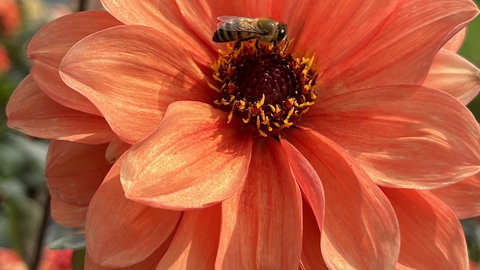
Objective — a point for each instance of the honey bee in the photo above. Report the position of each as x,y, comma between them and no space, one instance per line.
265,30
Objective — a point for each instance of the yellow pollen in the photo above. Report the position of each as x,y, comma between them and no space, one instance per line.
235,78
289,115
263,134
213,87
303,112
262,101
242,105
230,116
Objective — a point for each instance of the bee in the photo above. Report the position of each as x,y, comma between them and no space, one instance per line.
237,29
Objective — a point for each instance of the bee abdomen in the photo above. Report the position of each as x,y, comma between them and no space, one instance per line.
222,35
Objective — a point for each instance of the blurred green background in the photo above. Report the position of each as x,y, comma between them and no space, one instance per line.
24,225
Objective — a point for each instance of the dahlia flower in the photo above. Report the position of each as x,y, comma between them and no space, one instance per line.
344,150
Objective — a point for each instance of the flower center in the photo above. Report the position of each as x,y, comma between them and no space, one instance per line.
264,85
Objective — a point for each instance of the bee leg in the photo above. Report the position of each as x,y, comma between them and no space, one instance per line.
287,42
274,43
257,46
237,45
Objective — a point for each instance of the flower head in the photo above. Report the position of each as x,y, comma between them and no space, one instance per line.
327,154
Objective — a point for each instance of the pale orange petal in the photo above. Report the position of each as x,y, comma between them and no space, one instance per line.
307,179
360,230
455,75
32,112
68,215
147,264
48,80
403,136
402,51
456,41
311,254
165,17
120,232
431,235
194,159
462,197
262,224
53,41
115,149
49,46
137,69
335,30
195,243
75,171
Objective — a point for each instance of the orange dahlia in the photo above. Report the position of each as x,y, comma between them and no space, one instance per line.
343,150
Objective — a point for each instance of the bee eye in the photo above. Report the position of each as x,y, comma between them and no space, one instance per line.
281,34
282,31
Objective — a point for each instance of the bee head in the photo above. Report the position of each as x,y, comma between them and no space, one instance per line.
281,31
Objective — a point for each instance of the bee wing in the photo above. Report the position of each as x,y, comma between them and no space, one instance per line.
224,19
244,24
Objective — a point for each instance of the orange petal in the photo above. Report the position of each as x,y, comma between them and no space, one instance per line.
66,214
462,197
432,237
75,171
456,41
32,112
51,43
165,17
360,230
262,224
331,29
296,16
138,70
194,159
402,52
455,75
196,241
311,254
307,179
201,16
120,232
403,136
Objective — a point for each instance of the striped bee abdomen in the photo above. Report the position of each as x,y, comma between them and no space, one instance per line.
222,35
229,32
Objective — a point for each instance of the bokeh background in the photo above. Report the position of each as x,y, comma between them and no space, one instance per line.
26,228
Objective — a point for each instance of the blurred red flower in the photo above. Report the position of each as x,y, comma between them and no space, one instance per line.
5,62
9,17
59,259
10,260
51,260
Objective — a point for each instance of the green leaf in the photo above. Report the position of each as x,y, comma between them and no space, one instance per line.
78,259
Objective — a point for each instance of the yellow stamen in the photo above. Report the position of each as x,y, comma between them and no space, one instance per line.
213,87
